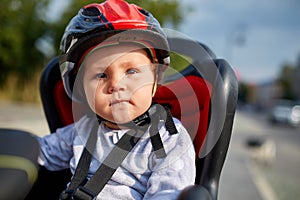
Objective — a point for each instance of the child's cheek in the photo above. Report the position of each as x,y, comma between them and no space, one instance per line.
90,90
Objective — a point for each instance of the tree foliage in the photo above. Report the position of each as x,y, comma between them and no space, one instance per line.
21,29
286,80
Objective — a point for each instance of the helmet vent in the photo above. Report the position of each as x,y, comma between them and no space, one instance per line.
144,12
92,11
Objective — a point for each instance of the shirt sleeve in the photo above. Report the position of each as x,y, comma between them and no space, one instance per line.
56,149
172,174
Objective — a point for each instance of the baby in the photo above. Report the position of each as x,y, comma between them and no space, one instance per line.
114,55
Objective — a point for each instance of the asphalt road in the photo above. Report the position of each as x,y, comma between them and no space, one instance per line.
245,176
27,117
281,172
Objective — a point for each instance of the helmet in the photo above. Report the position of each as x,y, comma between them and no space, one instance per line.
113,21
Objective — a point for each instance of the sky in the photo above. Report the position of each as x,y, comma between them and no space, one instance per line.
268,31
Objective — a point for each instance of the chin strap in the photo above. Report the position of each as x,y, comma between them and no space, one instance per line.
82,188
155,114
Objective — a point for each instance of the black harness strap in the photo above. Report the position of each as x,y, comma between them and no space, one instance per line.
83,189
83,165
158,112
93,187
169,122
157,144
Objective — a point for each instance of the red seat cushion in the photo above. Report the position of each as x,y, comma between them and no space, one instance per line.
189,99
63,104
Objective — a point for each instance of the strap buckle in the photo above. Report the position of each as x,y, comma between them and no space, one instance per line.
66,195
82,193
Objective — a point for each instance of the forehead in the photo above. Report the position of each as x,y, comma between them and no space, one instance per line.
106,54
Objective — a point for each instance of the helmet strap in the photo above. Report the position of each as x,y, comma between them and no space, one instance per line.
154,87
140,121
155,81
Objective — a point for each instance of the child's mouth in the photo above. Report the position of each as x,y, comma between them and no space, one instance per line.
118,102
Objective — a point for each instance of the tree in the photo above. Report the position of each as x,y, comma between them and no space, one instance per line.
246,94
21,29
285,80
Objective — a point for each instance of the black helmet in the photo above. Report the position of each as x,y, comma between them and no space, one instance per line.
113,21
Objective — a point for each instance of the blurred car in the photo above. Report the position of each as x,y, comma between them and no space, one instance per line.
286,112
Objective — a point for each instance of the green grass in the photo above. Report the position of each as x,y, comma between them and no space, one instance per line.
25,91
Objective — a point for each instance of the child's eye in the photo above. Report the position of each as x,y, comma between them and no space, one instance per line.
131,71
101,75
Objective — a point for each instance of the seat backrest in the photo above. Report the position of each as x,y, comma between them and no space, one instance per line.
202,95
223,101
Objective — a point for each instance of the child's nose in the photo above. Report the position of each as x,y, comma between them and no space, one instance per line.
116,83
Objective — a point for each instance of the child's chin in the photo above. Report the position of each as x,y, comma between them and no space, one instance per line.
119,119
122,121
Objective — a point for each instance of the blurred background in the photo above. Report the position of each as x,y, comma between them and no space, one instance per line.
261,41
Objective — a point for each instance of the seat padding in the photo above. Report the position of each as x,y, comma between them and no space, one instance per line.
189,99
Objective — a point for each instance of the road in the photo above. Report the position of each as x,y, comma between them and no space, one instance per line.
27,117
282,173
275,175
243,178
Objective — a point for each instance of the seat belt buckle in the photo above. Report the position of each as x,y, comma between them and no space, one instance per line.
82,193
66,195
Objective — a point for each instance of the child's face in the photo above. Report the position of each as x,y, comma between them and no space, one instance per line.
118,82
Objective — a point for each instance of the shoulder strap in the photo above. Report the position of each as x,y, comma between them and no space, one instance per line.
97,182
80,188
159,112
170,125
83,165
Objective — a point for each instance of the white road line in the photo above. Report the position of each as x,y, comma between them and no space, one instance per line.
264,188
